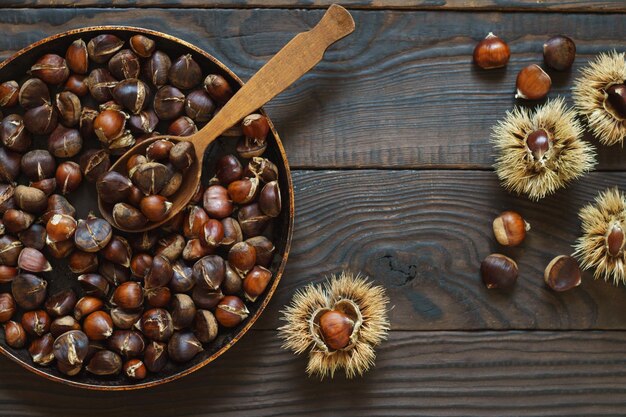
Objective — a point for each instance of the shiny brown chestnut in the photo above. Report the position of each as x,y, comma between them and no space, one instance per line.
199,106
13,134
29,291
57,204
242,257
17,220
7,307
69,108
9,93
182,278
105,362
124,65
270,200
94,284
113,187
109,125
10,249
231,311
118,251
559,52
169,102
68,176
171,246
77,84
92,234
157,67
532,83
151,177
40,350
159,150
244,191
195,219
127,343
100,83
209,272
60,227
140,265
205,326
185,73
499,271
218,88
81,262
206,298
510,228
212,233
195,249
36,322
125,319
158,297
94,163
14,335
51,69
7,273
38,164
264,250
87,305
183,346
159,274
142,45
135,369
128,295
256,282
64,324
32,260
491,52
132,94
64,142
155,356
182,155
41,120
103,47
98,325
33,93
232,232
252,220
61,303
77,57
145,121
228,169
157,325
249,148
217,203
183,311
233,282
115,273
255,126
182,126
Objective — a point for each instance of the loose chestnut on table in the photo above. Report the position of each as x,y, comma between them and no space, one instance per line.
96,287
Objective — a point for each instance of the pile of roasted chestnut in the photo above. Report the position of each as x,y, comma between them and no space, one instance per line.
141,299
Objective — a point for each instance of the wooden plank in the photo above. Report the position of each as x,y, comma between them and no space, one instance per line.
613,6
400,92
423,234
416,374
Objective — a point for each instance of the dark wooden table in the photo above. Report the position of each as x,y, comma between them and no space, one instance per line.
388,141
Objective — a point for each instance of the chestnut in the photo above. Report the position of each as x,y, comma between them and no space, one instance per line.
60,227
264,250
51,69
135,369
61,303
127,343
17,220
173,185
64,142
231,311
218,88
10,249
48,186
242,257
36,322
94,163
100,83
169,102
199,106
269,199
6,197
212,233
32,260
29,291
128,217
209,272
232,283
140,265
103,47
13,133
206,298
510,228
491,52
255,126
57,204
171,247
87,305
68,176
113,187
10,167
559,52
64,324
155,207
249,148
105,362
41,120
183,311
61,249
109,125
85,123
532,83
115,273
69,108
157,67
182,278
216,202
98,325
118,251
195,249
142,46
183,126
7,273
30,199
134,161
155,356
262,168
77,84
205,326
159,274
125,319
151,177
195,219
252,220
9,92
94,284
124,65
158,297
83,262
336,328
41,350
228,169
243,191
562,273
132,94
144,241
183,346
92,234
38,164
499,271
159,150
33,93
182,155
14,335
7,307
615,239
77,57
128,295
157,325
615,101
143,122
256,282
185,73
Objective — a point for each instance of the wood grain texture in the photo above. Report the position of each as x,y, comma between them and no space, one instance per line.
400,92
416,374
499,5
423,234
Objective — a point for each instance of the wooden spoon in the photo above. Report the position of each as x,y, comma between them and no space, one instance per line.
290,63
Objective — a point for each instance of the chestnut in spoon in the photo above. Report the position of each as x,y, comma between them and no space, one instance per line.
295,59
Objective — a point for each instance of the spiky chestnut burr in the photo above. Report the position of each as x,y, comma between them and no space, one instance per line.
601,245
599,96
540,151
339,322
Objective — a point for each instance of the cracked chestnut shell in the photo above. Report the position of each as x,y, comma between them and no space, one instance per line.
92,234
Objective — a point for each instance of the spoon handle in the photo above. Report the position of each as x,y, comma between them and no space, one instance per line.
290,63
